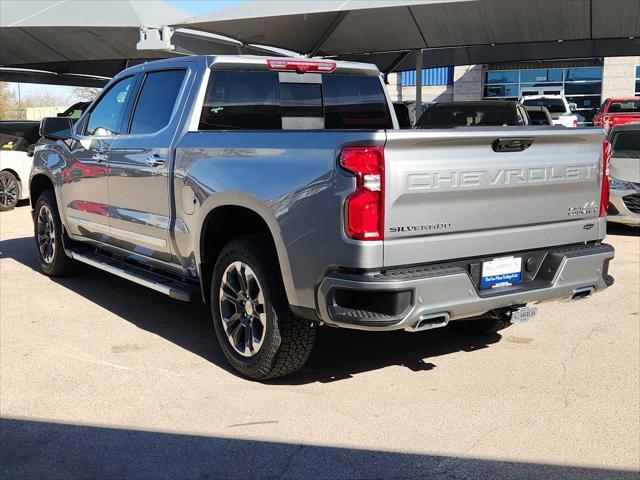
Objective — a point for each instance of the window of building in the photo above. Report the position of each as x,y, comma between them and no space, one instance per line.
503,76
430,77
581,85
259,101
157,99
638,80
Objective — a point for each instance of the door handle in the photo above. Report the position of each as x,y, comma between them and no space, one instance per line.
511,144
155,160
100,156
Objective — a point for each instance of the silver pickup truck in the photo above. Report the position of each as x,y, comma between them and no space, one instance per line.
282,192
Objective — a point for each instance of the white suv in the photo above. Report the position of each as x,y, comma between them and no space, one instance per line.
558,107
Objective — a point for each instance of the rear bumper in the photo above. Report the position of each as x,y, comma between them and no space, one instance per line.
401,299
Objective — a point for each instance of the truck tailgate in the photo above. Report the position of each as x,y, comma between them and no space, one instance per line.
450,194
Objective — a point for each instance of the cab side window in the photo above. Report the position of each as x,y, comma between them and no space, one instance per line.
104,119
157,100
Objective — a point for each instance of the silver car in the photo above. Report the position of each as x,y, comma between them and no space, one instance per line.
624,174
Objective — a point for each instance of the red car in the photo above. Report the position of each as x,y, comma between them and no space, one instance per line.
617,111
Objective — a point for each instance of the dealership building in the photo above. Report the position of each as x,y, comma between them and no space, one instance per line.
585,82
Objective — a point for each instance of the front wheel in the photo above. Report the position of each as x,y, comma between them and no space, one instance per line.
9,191
258,333
47,226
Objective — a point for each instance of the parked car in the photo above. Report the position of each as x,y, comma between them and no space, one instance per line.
403,115
17,139
538,115
617,111
406,112
75,111
485,113
557,105
623,148
283,193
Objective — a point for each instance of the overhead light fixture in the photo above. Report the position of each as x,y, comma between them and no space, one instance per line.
152,38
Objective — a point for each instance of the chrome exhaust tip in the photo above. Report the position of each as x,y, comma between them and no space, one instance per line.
582,293
429,322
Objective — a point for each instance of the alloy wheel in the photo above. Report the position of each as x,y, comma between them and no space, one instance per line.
242,309
8,191
46,234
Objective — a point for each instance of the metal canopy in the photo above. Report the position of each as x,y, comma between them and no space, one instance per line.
57,31
356,26
516,52
23,75
65,37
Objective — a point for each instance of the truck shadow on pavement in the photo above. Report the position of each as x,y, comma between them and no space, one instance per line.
47,450
621,229
338,354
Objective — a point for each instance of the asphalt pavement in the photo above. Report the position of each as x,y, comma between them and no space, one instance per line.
104,379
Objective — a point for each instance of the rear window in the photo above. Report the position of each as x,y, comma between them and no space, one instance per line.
537,117
241,101
628,106
626,144
354,102
445,116
260,101
554,105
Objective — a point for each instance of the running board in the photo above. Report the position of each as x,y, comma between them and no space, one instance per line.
160,283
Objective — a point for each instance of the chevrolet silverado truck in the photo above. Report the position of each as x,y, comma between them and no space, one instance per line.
617,111
283,193
560,110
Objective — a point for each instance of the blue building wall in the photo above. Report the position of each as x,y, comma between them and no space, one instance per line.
430,76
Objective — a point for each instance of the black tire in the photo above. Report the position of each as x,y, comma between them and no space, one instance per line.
287,340
9,191
480,326
59,264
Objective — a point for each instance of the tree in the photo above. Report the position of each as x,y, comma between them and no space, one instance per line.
85,94
45,98
9,107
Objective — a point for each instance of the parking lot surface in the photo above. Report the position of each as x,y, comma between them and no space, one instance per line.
101,378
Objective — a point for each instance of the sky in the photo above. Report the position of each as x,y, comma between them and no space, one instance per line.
197,7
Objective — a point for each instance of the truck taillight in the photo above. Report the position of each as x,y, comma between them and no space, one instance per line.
575,123
364,208
604,194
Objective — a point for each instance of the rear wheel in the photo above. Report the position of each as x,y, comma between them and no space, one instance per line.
257,331
9,191
48,236
480,326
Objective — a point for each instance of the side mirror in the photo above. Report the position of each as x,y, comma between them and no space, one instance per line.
573,106
31,149
57,128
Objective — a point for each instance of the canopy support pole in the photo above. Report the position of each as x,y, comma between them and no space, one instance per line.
418,53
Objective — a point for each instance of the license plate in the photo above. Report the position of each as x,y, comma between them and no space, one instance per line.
524,314
501,272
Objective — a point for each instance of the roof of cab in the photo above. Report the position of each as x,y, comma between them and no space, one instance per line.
252,62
